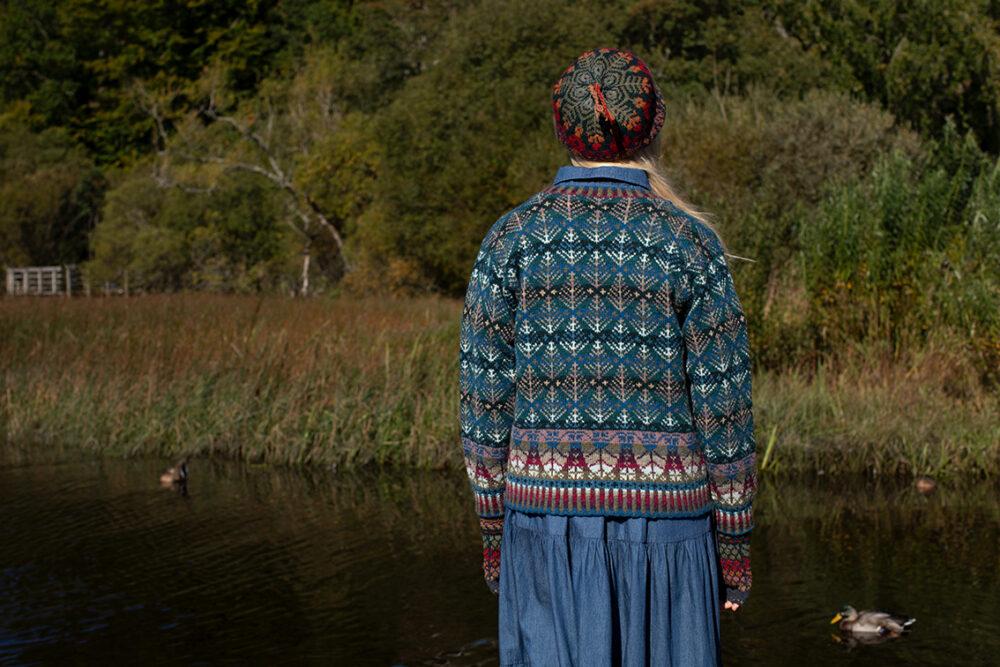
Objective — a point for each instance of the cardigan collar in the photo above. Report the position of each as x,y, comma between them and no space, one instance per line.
602,176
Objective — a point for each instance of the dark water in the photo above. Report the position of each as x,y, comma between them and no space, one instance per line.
98,564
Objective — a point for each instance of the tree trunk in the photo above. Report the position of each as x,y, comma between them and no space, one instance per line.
305,268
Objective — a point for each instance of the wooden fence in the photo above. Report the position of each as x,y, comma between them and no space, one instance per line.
42,280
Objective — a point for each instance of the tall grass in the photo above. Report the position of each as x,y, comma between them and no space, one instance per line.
262,379
910,255
923,413
349,382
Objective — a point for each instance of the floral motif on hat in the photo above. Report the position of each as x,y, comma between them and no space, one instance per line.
607,105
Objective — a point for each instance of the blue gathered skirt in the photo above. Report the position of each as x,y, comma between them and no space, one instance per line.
596,591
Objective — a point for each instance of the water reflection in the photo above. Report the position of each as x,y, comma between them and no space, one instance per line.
851,641
879,545
258,565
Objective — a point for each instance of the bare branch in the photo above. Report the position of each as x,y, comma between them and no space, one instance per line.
303,232
161,177
329,226
270,123
270,168
228,165
211,113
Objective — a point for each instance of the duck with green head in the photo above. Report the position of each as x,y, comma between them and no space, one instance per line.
872,622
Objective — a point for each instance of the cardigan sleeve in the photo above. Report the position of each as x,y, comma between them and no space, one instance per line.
718,369
487,391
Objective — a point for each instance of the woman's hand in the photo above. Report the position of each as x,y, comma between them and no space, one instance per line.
732,605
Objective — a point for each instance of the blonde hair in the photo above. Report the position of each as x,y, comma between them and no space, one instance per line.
648,159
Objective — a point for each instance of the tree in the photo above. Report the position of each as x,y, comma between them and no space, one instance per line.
50,195
166,239
471,136
74,60
925,61
268,136
724,46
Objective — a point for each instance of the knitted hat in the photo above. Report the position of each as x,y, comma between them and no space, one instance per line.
607,105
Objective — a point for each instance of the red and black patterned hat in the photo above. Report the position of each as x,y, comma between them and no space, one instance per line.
607,105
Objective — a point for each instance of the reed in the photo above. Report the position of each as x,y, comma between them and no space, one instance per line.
350,382
925,412
262,379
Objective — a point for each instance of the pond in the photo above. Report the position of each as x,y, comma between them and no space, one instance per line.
260,565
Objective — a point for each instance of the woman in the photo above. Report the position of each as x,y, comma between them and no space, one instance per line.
605,399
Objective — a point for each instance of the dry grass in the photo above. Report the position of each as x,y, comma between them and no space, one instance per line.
927,413
358,381
263,379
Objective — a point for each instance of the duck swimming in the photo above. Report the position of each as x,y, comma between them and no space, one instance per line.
175,475
925,484
872,622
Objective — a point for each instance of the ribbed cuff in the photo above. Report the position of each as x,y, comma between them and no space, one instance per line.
734,522
734,563
492,534
737,597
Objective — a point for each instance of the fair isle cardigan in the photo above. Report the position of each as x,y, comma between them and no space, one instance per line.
605,366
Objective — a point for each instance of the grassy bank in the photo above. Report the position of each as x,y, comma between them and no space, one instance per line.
925,413
278,380
352,382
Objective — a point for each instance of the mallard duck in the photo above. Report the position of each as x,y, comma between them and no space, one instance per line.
925,484
175,475
872,622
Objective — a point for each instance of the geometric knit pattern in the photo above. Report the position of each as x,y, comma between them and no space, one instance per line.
734,561
492,530
606,105
605,365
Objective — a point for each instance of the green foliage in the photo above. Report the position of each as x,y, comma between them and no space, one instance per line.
910,253
36,67
723,45
472,136
75,61
50,195
287,139
386,137
926,61
372,60
168,239
761,164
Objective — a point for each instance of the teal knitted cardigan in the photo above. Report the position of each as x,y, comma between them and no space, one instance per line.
605,366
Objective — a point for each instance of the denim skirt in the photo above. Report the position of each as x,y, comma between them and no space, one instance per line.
586,591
